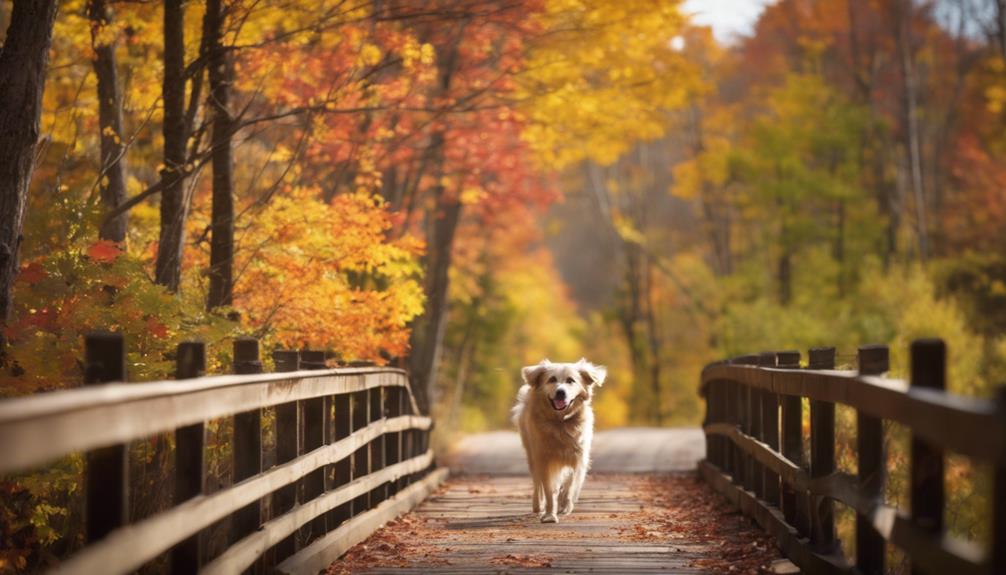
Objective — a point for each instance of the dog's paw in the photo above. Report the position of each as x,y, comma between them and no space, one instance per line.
549,518
566,509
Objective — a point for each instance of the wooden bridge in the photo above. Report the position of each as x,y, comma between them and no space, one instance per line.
322,458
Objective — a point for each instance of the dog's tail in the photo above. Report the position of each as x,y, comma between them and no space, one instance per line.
518,407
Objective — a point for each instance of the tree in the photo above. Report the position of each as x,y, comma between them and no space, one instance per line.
23,60
222,221
174,195
112,174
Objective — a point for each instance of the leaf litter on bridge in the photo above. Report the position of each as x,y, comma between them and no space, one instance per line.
479,522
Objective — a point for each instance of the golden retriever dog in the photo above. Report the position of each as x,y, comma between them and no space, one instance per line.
556,426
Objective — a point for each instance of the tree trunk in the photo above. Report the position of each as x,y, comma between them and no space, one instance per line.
113,147
222,219
23,59
653,338
174,204
428,331
904,23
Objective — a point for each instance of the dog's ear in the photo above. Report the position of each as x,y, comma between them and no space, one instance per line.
591,374
532,373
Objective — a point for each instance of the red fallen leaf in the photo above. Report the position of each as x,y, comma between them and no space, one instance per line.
104,251
32,273
156,328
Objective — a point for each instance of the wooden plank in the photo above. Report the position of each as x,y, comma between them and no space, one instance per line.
107,474
38,429
321,553
150,537
313,437
926,473
241,555
247,442
772,521
945,420
873,360
190,467
949,554
287,448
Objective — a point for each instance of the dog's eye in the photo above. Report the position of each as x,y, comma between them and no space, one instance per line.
552,379
570,380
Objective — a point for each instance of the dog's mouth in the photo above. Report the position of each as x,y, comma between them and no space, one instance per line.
559,404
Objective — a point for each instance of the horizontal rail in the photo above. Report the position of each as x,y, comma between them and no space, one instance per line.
243,554
947,420
944,553
147,539
322,552
37,429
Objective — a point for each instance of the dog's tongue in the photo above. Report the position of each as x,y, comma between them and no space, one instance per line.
559,403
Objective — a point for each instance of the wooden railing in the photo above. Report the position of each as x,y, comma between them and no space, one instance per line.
351,452
755,456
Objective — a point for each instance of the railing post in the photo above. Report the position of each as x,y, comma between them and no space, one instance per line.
247,443
406,436
287,426
770,432
822,455
361,459
313,419
379,493
190,441
929,358
792,443
873,360
747,465
393,441
999,492
107,479
343,467
755,410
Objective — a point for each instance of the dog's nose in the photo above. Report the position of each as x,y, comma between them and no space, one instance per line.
560,393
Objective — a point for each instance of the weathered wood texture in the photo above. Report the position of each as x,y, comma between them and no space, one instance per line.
106,415
938,422
640,523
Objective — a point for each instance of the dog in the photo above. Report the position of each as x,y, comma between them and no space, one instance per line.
556,424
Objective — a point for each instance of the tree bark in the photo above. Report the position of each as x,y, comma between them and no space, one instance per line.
113,147
222,218
23,59
174,204
904,23
428,331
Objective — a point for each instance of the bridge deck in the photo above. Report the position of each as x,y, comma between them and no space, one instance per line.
658,519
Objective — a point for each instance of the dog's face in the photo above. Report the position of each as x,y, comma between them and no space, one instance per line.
564,386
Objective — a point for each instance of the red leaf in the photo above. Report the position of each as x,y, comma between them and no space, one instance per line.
156,328
32,273
104,251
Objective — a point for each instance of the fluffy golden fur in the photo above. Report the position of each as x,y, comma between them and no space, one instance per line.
556,423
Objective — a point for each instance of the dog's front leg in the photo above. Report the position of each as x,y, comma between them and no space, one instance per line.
576,484
550,500
566,492
538,494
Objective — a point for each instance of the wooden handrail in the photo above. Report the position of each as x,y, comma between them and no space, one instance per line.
348,440
945,419
37,429
746,463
